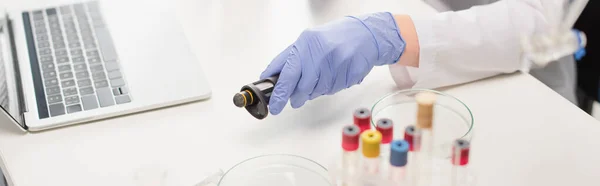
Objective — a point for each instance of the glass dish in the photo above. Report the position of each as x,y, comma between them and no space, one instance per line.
276,170
452,118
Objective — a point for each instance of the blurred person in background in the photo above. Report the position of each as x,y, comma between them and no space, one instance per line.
470,40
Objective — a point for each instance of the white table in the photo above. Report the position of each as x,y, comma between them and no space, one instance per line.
525,134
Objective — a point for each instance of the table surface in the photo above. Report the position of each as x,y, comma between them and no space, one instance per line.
525,134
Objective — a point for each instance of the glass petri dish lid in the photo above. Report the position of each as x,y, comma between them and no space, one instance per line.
276,170
452,118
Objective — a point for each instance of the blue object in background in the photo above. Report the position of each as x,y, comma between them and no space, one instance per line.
580,53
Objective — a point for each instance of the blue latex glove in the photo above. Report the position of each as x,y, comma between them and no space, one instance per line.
332,57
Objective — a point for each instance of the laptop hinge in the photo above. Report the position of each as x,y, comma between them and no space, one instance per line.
17,71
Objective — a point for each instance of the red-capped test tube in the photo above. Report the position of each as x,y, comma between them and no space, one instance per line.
460,152
460,159
350,138
350,154
362,119
412,136
386,128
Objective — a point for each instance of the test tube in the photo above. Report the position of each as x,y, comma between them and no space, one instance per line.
425,102
350,156
460,159
371,144
362,118
398,160
386,128
412,137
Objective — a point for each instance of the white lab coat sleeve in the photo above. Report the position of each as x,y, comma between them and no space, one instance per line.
463,46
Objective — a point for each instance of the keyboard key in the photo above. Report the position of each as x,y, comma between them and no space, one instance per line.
65,10
100,84
46,59
38,15
88,38
55,30
66,75
114,74
45,51
80,67
69,92
82,75
51,82
39,23
122,99
94,60
86,90
73,108
89,45
62,59
98,75
47,66
56,109
40,31
49,74
41,38
117,82
106,45
59,45
54,98
85,31
52,90
71,34
43,44
60,53
64,68
84,83
53,19
50,11
79,7
97,68
67,83
78,59
111,66
93,6
76,52
72,38
74,45
91,53
57,38
71,100
105,97
120,91
89,102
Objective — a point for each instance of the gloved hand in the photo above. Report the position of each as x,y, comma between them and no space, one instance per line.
332,57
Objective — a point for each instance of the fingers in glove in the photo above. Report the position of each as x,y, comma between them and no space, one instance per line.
288,79
306,85
277,64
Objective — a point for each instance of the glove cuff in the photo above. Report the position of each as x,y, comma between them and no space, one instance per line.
390,44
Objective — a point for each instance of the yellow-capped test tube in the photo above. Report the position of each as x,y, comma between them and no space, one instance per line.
371,147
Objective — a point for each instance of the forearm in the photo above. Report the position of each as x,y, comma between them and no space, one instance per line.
410,56
458,47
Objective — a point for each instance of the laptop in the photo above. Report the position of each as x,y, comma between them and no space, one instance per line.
77,62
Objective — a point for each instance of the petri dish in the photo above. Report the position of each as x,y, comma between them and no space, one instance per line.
276,170
452,118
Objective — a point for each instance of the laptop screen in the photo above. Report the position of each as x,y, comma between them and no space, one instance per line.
9,101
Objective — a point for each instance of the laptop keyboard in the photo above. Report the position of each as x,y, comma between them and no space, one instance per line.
77,60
